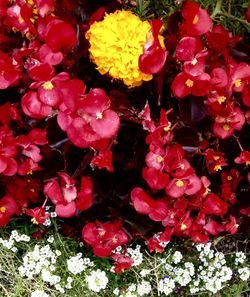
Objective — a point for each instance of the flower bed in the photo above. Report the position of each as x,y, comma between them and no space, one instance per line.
125,123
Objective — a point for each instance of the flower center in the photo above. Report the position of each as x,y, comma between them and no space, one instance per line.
195,20
194,61
229,177
167,128
20,20
247,163
217,167
226,127
48,86
179,183
183,226
34,221
159,159
189,83
222,99
114,239
237,83
99,116
2,209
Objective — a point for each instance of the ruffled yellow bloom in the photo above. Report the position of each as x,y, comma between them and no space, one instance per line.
116,44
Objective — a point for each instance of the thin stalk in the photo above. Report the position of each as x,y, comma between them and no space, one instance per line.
217,8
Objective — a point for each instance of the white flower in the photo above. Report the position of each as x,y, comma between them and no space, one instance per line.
39,293
132,288
166,285
76,264
177,256
144,288
144,272
116,292
244,273
240,258
97,280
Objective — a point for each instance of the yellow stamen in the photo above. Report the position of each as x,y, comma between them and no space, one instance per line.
179,183
226,127
183,227
195,20
229,177
247,163
159,159
30,172
216,158
189,83
237,83
194,62
34,221
217,167
115,239
2,209
48,85
222,99
20,20
99,116
167,128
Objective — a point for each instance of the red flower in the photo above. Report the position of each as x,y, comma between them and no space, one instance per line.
212,227
228,120
104,237
156,180
187,48
122,262
143,203
215,160
103,160
154,245
244,158
8,208
38,214
214,205
196,20
60,35
185,84
154,56
62,195
9,74
85,195
91,121
232,226
33,107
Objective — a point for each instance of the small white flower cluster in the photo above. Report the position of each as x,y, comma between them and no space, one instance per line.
97,280
41,261
133,290
166,285
52,214
14,237
77,264
213,273
177,257
136,255
240,258
244,273
39,293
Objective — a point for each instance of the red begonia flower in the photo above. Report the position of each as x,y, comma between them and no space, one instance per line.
122,262
185,84
104,237
156,180
8,208
103,160
244,158
232,226
154,56
154,245
187,48
85,195
38,214
196,20
214,205
9,74
143,203
212,227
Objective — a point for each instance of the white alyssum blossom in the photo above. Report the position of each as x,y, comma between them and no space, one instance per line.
97,280
144,288
136,255
39,293
144,272
177,257
116,291
76,264
240,258
166,286
244,273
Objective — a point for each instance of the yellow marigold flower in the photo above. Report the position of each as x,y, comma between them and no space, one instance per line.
116,44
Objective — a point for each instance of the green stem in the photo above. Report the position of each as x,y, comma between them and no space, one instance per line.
244,22
217,8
